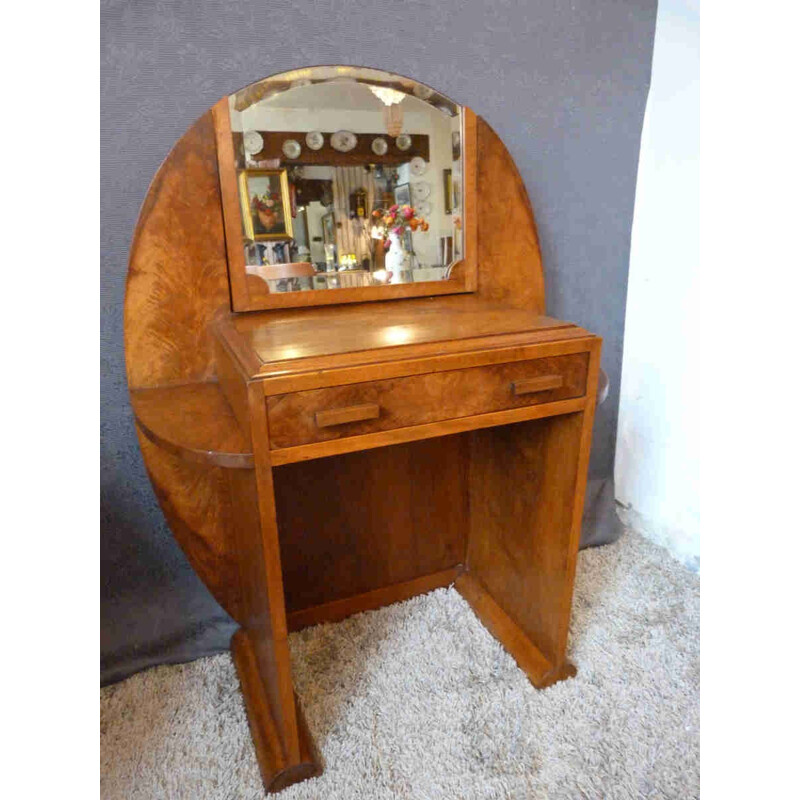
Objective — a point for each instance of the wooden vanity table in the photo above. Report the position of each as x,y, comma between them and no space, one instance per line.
339,450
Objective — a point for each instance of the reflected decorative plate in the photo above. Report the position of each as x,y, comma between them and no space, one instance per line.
253,142
314,140
417,165
379,146
291,148
343,141
424,208
420,191
403,141
423,92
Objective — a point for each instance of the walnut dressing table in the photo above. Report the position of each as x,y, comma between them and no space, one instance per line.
322,451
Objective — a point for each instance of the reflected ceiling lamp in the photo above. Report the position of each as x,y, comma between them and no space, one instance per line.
392,113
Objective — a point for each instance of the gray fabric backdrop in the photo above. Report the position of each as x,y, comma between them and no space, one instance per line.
564,84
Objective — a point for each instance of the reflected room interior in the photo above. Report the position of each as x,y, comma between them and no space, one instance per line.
347,177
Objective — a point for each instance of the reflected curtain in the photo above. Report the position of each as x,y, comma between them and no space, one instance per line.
352,235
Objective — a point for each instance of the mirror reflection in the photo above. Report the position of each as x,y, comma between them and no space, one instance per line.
347,177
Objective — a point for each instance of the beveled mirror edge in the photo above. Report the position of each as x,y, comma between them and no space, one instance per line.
250,293
247,95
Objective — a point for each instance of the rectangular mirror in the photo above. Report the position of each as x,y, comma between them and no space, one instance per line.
345,178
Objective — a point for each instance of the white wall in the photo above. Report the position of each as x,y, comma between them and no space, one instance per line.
656,471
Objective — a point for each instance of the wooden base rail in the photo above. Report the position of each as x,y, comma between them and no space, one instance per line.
337,610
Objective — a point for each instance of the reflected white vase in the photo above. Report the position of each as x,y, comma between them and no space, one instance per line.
396,258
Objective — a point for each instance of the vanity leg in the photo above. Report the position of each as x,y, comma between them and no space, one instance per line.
276,772
260,648
527,484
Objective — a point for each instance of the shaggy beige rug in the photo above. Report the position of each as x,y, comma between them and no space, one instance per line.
418,701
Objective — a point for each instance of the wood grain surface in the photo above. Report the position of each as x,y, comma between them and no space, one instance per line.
261,576
420,399
194,422
539,670
285,501
177,282
347,414
523,479
337,610
277,772
371,519
177,272
283,340
542,383
509,257
197,505
416,433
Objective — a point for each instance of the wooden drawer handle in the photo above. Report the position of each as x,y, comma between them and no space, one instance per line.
339,416
540,384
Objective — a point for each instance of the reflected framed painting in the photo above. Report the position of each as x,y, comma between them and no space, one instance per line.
266,209
402,194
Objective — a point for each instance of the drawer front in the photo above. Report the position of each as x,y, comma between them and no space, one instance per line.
320,415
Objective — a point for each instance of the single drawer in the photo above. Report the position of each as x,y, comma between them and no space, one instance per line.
319,415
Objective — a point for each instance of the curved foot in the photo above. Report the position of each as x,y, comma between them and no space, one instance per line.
276,772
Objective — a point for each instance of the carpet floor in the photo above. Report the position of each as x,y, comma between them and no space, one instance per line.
417,700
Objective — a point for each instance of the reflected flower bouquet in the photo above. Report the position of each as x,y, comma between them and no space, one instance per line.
396,219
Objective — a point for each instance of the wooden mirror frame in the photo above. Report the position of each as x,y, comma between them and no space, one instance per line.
251,293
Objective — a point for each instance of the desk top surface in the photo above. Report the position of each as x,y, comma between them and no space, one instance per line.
282,341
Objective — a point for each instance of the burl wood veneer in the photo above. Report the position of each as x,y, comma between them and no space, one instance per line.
317,461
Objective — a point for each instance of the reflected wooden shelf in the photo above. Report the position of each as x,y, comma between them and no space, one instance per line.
193,422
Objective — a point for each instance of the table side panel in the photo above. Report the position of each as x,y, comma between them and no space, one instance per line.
522,488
